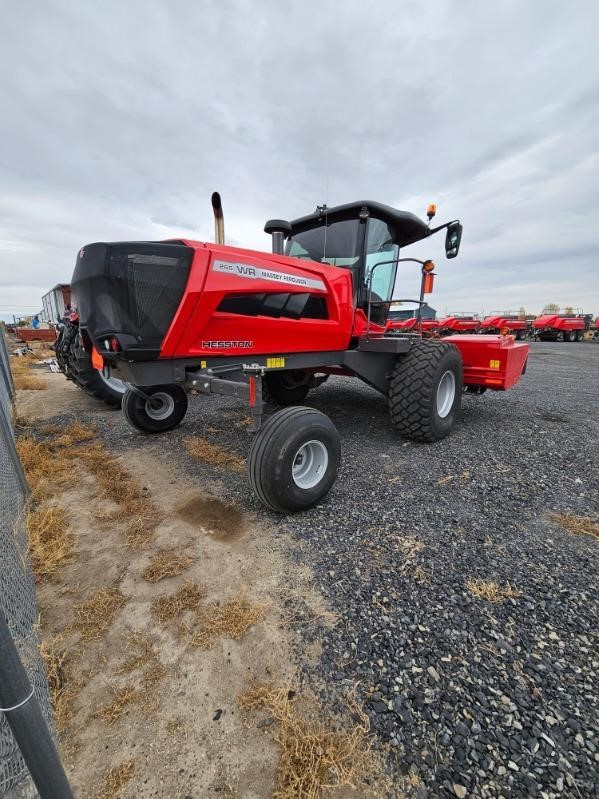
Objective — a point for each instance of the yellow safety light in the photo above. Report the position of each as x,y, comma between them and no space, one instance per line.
428,266
431,210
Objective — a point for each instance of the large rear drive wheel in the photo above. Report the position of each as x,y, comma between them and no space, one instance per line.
163,411
108,389
287,387
520,335
425,391
294,459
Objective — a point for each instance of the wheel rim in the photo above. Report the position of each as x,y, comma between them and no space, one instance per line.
160,406
310,464
445,394
113,382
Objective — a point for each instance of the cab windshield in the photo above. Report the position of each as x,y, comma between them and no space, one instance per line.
337,244
340,244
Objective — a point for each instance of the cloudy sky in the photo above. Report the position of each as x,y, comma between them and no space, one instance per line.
118,120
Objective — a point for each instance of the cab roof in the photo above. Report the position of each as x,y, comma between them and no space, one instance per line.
408,227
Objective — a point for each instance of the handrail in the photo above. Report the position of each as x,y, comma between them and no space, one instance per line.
388,302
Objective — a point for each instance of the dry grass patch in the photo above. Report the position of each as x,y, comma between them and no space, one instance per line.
21,365
141,650
492,591
44,468
51,543
48,464
410,548
577,525
136,509
143,658
314,757
63,686
213,454
19,420
114,480
94,616
116,779
29,382
167,563
143,517
115,709
231,620
74,433
176,726
50,429
45,352
171,606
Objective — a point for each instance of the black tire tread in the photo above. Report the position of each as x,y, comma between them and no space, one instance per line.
259,446
129,398
409,389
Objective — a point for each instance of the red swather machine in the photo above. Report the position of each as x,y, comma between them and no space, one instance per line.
555,326
179,315
508,322
458,322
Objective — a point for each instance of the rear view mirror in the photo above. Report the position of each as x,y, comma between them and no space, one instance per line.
453,239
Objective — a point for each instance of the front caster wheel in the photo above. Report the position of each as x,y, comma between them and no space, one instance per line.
163,409
294,459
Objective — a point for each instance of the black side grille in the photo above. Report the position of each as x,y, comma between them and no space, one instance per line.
277,305
130,290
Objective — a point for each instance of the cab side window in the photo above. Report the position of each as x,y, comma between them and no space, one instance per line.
380,249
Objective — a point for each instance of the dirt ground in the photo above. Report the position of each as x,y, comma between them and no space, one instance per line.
185,736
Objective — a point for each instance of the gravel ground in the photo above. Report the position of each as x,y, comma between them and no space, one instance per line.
475,698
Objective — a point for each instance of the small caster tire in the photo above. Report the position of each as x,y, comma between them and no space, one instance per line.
294,458
163,411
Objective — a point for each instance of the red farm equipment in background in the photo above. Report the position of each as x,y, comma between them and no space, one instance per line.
555,326
459,322
414,325
508,322
181,316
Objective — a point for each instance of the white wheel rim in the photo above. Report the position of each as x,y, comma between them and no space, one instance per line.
445,394
160,406
113,382
310,464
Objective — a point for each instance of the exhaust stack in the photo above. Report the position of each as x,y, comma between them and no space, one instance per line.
219,220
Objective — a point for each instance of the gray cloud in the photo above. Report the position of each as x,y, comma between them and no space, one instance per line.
118,121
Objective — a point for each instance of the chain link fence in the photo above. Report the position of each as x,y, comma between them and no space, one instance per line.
17,586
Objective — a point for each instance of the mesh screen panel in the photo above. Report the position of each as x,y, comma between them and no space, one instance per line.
130,288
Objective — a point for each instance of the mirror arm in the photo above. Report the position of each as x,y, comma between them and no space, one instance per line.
442,227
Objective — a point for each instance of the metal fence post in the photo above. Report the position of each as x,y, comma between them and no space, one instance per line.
4,364
25,718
